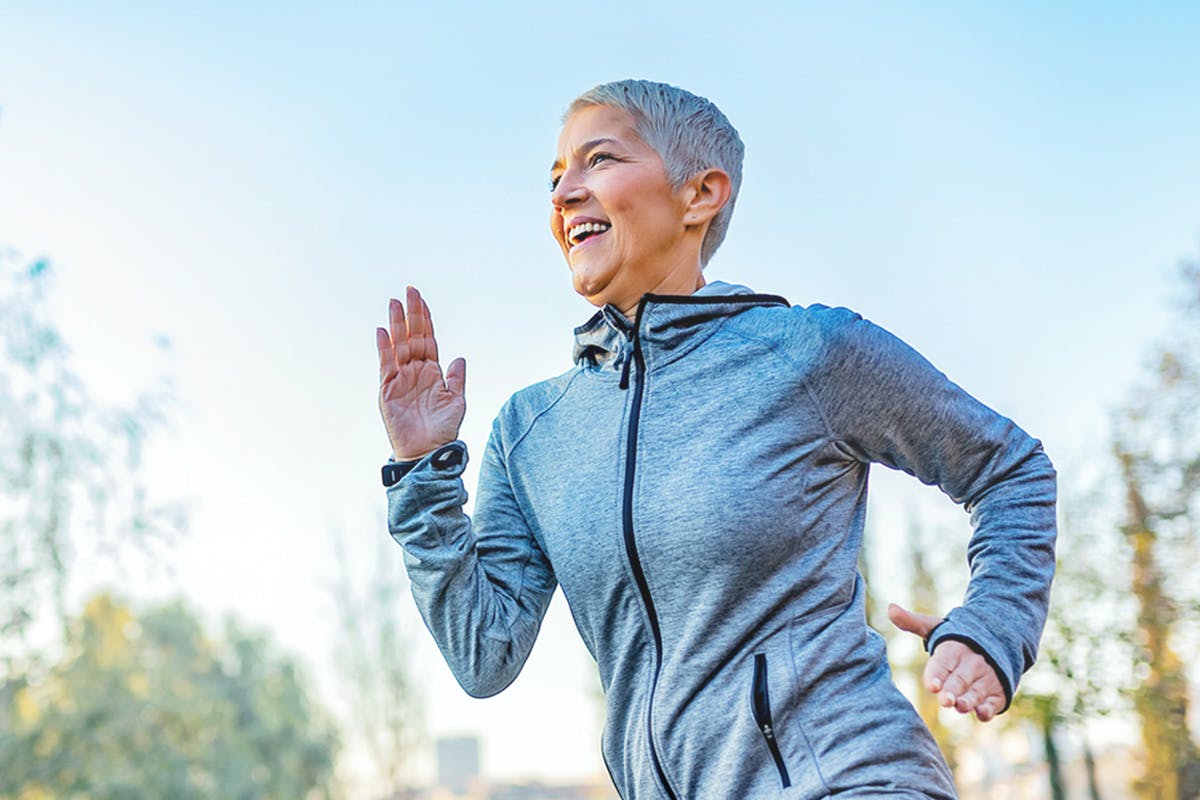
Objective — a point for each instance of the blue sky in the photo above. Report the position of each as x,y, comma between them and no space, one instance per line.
1006,187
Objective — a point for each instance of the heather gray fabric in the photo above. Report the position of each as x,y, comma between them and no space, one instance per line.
747,496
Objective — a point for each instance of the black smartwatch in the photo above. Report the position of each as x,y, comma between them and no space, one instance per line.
447,456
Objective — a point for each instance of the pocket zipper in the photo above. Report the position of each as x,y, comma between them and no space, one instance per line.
762,715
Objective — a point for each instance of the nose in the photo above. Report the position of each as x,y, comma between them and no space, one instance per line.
569,190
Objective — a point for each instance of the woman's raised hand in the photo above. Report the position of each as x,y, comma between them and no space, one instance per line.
421,410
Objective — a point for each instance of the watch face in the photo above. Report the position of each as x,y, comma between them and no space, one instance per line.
448,456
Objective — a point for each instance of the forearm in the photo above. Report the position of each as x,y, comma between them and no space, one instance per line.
483,603
1011,557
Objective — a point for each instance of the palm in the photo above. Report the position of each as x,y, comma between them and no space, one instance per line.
421,408
959,676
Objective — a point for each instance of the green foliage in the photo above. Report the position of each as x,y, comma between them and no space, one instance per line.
1157,447
1044,712
54,428
373,655
1125,604
1085,662
151,707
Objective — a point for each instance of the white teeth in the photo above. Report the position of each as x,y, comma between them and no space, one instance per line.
587,227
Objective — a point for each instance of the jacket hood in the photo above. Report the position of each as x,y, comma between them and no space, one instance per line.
664,321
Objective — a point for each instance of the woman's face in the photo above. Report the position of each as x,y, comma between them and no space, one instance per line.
614,214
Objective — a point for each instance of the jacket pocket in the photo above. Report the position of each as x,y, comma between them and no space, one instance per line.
761,703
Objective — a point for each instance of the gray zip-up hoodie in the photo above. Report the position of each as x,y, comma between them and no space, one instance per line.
697,485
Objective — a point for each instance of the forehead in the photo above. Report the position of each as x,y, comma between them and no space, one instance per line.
597,122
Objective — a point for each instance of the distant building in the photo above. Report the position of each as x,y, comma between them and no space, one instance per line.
458,763
533,790
540,791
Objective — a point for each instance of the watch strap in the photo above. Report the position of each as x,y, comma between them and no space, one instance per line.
448,456
393,471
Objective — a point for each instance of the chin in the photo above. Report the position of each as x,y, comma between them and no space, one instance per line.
589,286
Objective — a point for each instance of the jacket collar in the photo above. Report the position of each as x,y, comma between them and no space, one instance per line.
664,322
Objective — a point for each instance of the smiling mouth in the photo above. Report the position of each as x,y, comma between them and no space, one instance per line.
579,234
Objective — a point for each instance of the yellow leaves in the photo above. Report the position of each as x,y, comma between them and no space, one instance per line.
138,684
108,630
27,707
47,745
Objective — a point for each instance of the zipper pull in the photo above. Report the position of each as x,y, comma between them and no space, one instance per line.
635,351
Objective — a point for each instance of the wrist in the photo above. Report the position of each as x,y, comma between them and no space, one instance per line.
402,455
450,456
409,459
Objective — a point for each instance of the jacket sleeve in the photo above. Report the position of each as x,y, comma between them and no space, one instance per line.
887,404
482,587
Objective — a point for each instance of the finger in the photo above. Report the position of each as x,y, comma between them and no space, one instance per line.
456,377
430,340
988,709
941,666
416,326
981,683
971,697
399,328
905,620
954,687
387,355
970,681
984,685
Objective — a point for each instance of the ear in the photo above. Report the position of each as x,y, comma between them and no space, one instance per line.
707,193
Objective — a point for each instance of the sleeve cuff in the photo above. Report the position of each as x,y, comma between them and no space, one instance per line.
449,459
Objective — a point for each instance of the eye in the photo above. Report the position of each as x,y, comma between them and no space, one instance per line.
596,158
554,179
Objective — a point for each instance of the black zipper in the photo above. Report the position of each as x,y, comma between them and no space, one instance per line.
636,359
635,563
762,715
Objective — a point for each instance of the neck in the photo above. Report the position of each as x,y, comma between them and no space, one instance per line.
674,283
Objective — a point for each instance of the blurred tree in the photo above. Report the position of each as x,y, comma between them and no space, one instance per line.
926,600
1042,709
62,456
374,657
925,595
1084,670
1157,449
152,708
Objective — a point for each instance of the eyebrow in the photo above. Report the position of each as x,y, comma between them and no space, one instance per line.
588,145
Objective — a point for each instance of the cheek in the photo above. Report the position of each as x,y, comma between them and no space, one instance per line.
646,209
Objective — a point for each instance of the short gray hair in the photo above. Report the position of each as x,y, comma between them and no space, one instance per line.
689,133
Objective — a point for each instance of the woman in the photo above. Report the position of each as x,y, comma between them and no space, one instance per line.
696,483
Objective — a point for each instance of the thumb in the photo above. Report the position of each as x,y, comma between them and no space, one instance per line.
456,377
905,620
